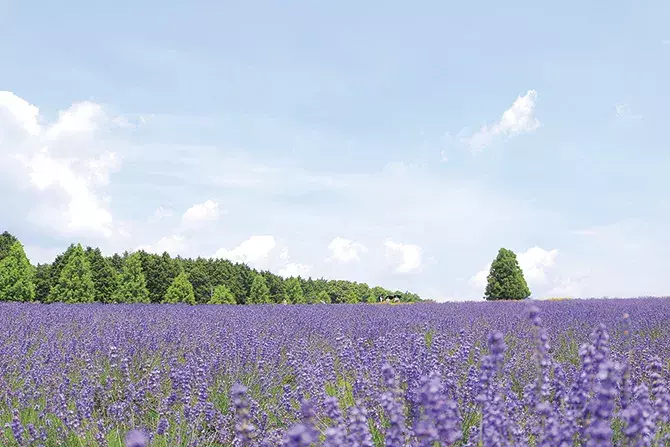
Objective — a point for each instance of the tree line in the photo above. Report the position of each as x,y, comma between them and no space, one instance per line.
85,275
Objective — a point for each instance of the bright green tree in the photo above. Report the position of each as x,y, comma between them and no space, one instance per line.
351,297
132,283
16,275
259,293
7,239
75,282
505,280
105,278
222,295
294,291
323,297
180,291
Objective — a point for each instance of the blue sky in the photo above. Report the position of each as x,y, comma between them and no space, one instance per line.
393,143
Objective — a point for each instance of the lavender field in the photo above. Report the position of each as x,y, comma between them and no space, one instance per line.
552,373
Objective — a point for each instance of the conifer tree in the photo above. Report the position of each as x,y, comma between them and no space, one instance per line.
222,295
180,291
294,291
75,282
16,275
104,275
323,297
7,239
351,297
259,293
505,280
42,282
132,286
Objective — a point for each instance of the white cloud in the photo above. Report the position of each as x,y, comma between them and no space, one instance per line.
534,263
65,157
406,257
253,250
200,213
294,269
174,245
518,119
625,116
345,250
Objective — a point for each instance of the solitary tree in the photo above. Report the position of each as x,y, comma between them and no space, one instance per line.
16,275
222,295
180,291
505,280
75,282
259,293
132,282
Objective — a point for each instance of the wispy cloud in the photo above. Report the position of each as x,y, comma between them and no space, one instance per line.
517,120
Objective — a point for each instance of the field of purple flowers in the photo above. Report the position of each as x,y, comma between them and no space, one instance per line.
563,373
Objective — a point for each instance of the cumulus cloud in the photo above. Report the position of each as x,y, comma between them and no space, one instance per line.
253,250
534,263
174,245
294,269
67,162
345,250
518,119
200,213
405,257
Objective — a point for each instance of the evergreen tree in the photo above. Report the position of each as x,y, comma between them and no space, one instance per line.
160,271
117,262
259,293
180,291
323,297
351,297
197,276
222,295
59,264
16,275
42,282
75,282
7,239
294,291
275,283
132,282
505,280
104,275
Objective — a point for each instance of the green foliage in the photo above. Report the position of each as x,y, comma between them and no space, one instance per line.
222,295
505,280
16,275
180,291
75,282
132,282
323,297
159,271
294,291
104,275
42,282
197,276
351,297
120,278
259,293
7,240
